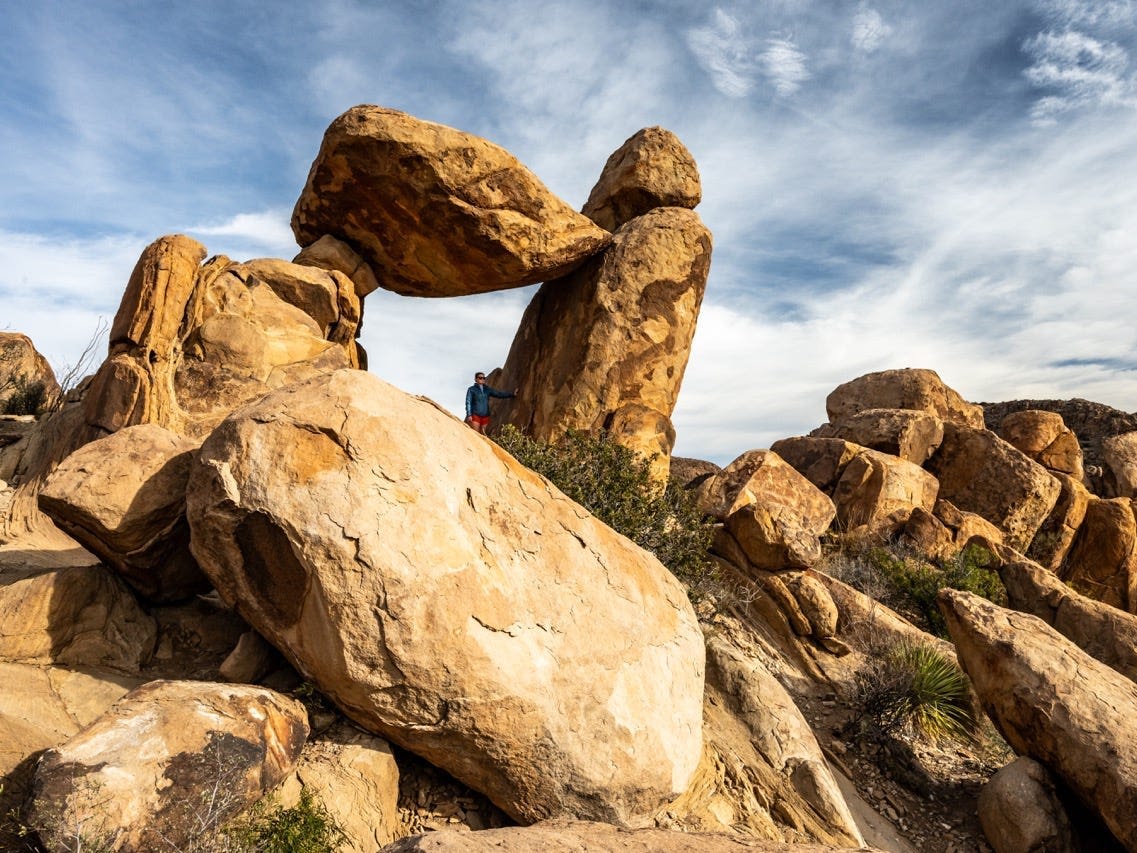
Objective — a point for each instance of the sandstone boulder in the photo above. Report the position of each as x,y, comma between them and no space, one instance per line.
451,600
689,473
1055,537
1053,703
437,212
910,388
134,778
822,461
1102,562
947,530
1102,631
123,498
1119,454
875,485
27,382
911,435
762,476
328,253
979,472
651,169
614,334
1020,811
1045,438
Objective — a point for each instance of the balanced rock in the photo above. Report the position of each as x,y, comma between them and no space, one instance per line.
1052,702
123,498
27,382
981,473
1119,453
133,778
437,212
822,461
1046,439
910,388
451,600
874,486
1102,562
651,169
911,435
613,335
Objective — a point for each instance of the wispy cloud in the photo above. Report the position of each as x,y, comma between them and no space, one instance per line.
784,65
726,53
1089,13
869,29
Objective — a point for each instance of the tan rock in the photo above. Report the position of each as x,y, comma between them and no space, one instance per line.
320,500
563,836
1020,811
1052,702
1102,631
981,473
1045,438
910,388
328,297
647,433
688,473
139,777
27,382
437,212
911,435
875,485
1102,563
763,476
614,334
815,602
651,169
966,526
774,537
331,254
822,461
123,498
251,660
946,531
1056,535
1119,453
354,776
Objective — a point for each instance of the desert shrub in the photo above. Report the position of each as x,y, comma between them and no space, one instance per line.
615,485
916,688
26,398
306,827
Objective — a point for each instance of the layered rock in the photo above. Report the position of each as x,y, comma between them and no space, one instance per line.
911,435
451,600
437,212
651,169
981,473
910,388
123,498
133,779
27,382
606,348
1102,562
1052,702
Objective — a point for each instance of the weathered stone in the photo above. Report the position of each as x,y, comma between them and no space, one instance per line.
646,432
1119,453
250,661
689,473
1052,702
1102,563
1020,811
1055,537
819,460
947,530
910,388
875,485
134,778
311,505
981,473
353,775
651,169
123,499
437,212
328,297
1102,631
911,435
815,602
331,254
774,536
616,333
1045,438
762,476
27,382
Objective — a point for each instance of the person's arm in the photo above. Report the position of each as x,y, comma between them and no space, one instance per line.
493,392
469,402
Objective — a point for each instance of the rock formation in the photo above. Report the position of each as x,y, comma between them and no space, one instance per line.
1102,560
27,382
919,390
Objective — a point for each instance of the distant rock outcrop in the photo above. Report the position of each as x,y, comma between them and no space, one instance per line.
1090,422
917,389
27,382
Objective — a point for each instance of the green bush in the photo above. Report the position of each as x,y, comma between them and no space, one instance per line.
27,398
304,828
615,485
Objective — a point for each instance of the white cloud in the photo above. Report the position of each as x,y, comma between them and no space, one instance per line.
784,65
869,29
726,53
1090,13
265,232
1081,70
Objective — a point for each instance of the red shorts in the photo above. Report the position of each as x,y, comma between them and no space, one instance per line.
480,420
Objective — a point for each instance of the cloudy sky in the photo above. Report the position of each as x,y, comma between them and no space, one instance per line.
889,184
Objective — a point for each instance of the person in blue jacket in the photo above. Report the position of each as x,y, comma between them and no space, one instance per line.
478,402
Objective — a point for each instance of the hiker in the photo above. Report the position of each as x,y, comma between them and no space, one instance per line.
478,402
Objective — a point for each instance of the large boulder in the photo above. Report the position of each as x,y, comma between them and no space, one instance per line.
945,531
1020,810
911,435
123,498
1045,438
615,334
910,388
981,473
822,461
875,486
328,253
27,382
435,211
1102,562
1119,453
1052,702
451,600
651,169
1052,542
137,779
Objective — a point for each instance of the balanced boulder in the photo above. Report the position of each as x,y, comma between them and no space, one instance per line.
451,600
911,388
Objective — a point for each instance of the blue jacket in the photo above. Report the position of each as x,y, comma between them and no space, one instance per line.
478,399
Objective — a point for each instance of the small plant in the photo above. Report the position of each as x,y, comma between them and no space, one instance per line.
616,485
917,688
26,398
306,827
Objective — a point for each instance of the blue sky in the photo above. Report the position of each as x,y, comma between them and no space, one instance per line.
890,184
